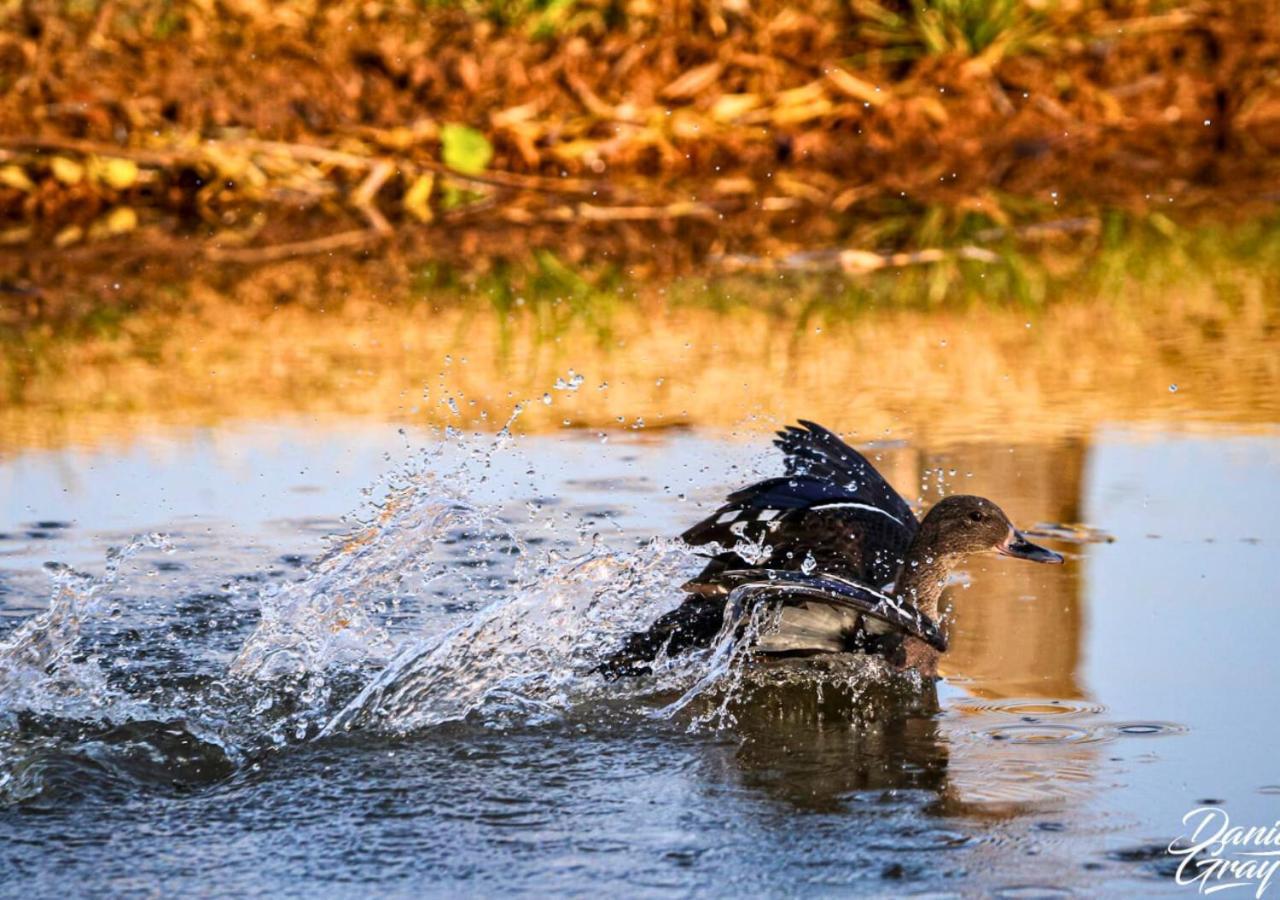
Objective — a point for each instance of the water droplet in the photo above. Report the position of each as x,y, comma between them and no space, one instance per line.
1173,389
808,564
546,399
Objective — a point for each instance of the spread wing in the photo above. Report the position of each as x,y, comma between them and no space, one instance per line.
833,513
894,612
812,450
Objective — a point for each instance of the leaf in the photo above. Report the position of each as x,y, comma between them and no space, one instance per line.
729,107
16,177
693,82
417,200
65,170
68,236
117,174
855,87
229,164
464,149
118,221
553,18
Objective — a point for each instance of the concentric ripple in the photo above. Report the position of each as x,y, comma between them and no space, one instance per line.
1147,729
1031,709
1042,734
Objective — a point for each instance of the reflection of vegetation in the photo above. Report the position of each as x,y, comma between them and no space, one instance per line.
1034,266
991,28
1107,320
1040,262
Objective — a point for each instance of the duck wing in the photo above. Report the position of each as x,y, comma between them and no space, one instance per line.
832,512
811,450
803,523
854,608
795,588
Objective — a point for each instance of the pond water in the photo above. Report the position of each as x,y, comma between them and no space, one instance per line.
287,608
246,706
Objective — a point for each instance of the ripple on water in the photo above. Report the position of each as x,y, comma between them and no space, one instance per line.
1041,721
1147,729
1154,858
1040,733
918,839
1032,891
1031,731
1032,709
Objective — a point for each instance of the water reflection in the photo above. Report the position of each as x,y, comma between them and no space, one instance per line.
1026,624
1018,633
815,743
704,354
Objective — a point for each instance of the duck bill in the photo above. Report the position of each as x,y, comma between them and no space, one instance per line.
1017,546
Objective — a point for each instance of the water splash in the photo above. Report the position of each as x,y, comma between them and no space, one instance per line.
432,607
40,666
534,650
723,672
331,617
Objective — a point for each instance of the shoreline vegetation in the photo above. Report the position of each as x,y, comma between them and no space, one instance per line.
1175,328
247,132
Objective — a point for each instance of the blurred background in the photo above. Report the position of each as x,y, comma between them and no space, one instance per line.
228,208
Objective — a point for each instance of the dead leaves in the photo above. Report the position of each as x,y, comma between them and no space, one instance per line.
693,82
398,112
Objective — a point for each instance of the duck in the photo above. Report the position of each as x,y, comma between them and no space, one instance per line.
840,551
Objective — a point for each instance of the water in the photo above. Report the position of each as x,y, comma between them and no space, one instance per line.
246,706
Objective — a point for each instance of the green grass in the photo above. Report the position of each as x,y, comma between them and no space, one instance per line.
918,28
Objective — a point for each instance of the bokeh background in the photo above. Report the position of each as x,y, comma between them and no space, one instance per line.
926,215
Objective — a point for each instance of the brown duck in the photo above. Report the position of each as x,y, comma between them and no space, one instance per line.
838,547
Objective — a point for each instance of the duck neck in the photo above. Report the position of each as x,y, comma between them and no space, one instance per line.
924,574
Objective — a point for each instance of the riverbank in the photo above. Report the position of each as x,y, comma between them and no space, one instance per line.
249,132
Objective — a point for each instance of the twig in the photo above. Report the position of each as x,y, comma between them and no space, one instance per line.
856,262
200,154
1040,230
363,197
592,213
345,240
592,103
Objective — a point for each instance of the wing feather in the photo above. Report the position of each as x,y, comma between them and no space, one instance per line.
809,449
896,612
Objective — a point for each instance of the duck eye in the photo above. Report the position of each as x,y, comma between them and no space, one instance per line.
975,516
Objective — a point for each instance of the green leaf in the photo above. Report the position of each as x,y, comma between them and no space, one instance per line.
464,149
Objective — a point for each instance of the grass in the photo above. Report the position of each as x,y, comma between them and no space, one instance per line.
986,29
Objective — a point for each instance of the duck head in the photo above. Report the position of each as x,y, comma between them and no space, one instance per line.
962,525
